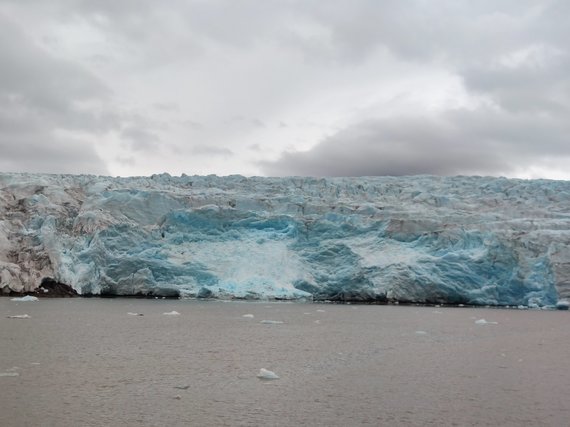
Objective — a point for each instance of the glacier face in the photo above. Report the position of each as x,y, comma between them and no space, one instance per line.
471,240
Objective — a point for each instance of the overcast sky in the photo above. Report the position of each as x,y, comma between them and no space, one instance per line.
290,87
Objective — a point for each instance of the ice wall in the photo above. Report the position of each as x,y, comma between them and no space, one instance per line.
472,240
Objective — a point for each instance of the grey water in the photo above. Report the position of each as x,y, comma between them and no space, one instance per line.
86,362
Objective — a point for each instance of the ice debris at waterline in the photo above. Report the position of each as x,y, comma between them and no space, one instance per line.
265,374
27,298
460,240
19,316
485,322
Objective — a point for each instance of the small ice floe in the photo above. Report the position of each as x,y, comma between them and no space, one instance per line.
421,333
272,322
265,374
249,316
19,316
9,374
320,311
25,299
182,387
562,305
485,322
437,312
171,313
317,322
135,314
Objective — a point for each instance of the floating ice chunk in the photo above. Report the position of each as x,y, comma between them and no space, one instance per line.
19,316
271,322
265,374
421,333
25,299
320,311
182,387
171,313
485,322
9,374
562,305
437,312
136,314
249,316
317,321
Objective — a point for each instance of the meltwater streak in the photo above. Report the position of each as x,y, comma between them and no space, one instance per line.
87,362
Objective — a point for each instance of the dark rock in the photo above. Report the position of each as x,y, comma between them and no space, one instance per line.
51,288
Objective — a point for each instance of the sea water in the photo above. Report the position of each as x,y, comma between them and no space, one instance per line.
88,362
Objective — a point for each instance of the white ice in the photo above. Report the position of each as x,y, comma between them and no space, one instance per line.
485,322
265,374
25,299
457,240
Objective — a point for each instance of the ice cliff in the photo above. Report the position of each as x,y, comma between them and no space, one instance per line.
472,240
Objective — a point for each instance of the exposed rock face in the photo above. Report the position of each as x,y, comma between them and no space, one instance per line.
466,240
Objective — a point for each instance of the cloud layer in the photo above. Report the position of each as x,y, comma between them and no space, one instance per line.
286,88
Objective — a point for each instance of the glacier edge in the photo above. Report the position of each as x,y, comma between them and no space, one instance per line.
424,239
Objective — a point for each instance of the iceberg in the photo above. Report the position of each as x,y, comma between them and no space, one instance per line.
265,374
419,239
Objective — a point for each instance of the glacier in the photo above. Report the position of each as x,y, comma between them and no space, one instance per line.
417,239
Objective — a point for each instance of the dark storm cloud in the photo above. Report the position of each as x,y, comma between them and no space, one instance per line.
512,54
458,142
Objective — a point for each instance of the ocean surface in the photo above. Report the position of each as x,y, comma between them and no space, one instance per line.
87,362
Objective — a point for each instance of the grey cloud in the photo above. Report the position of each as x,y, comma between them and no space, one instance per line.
39,96
205,150
457,142
197,126
167,106
42,152
534,86
140,138
472,40
33,80
43,97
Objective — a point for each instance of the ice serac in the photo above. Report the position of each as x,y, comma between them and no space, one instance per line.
470,240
